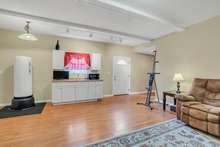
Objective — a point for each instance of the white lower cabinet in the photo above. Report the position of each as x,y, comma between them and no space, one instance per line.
68,93
92,90
99,89
56,93
64,92
82,91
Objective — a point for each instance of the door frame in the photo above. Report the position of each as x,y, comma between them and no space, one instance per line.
113,73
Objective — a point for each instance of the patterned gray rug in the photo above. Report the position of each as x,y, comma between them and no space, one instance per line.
172,133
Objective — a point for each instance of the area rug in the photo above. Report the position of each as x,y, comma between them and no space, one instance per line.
173,133
7,112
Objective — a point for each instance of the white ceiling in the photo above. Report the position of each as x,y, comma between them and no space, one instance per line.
128,22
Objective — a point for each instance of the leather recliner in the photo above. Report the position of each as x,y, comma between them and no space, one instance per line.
201,107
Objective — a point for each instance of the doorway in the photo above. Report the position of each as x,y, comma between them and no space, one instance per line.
121,75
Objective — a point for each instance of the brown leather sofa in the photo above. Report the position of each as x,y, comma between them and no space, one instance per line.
201,108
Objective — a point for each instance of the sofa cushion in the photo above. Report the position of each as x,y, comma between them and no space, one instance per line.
198,82
212,98
213,86
215,110
204,112
201,115
198,93
213,118
199,124
185,98
187,104
198,88
212,101
213,128
202,107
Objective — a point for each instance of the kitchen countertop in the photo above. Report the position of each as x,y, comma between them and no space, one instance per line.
75,80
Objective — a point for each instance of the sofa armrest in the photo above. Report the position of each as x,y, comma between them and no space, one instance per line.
181,99
185,98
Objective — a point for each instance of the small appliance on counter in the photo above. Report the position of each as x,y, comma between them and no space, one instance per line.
60,75
94,76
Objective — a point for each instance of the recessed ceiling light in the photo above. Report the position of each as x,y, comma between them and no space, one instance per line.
67,30
120,40
90,35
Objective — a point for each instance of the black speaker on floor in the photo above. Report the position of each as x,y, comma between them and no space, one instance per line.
22,102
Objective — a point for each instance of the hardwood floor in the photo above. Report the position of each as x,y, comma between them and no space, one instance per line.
75,124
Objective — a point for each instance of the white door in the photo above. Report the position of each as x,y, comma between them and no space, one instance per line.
121,75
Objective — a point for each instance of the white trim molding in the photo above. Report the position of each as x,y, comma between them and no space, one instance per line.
131,93
132,10
138,92
108,95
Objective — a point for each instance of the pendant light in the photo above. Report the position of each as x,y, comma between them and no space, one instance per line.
27,35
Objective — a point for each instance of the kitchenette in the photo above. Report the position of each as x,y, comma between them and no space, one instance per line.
76,77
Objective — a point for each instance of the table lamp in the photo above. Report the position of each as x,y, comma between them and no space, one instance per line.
178,77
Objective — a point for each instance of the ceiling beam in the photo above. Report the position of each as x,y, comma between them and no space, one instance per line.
136,11
69,24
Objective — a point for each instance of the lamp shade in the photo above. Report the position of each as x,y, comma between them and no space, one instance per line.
178,77
27,36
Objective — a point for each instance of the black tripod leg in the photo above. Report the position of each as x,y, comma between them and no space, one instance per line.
149,99
155,83
149,92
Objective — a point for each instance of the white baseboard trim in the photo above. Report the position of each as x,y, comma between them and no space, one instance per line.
137,92
36,101
4,104
108,95
43,101
131,93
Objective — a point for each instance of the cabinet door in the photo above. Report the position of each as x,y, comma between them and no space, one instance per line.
56,93
82,91
99,89
95,61
58,59
68,93
92,90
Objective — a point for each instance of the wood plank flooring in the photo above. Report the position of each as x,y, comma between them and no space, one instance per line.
72,125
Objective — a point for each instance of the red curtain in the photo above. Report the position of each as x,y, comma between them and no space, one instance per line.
76,61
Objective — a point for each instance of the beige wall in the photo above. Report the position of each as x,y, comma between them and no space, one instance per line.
194,53
41,53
